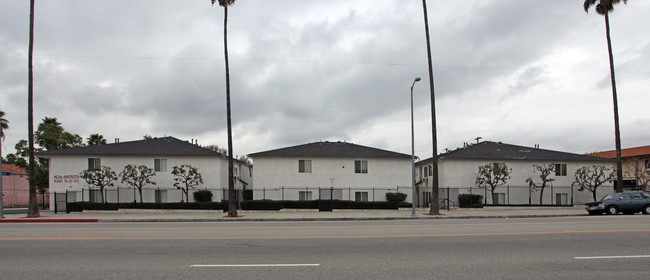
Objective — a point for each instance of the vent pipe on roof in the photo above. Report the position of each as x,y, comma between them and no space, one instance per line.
117,140
536,146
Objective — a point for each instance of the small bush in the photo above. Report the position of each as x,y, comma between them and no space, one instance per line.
202,196
395,198
470,201
248,195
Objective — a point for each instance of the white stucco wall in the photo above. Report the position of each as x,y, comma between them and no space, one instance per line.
461,174
278,177
65,170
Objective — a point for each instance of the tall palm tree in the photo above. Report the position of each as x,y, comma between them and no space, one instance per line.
4,124
435,207
232,207
95,139
604,7
32,210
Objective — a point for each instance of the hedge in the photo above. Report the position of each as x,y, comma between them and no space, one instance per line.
470,201
245,205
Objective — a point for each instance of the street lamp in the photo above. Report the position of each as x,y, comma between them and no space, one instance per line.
417,79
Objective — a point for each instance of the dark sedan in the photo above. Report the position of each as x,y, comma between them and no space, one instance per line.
627,203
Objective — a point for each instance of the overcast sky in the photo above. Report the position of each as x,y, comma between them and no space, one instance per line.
521,72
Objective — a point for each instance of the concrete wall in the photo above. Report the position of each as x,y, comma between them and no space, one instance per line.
15,190
278,177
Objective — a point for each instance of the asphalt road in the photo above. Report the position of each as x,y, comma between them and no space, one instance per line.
598,247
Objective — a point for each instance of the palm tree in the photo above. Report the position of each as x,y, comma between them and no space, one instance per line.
4,124
604,7
435,207
232,207
32,210
95,139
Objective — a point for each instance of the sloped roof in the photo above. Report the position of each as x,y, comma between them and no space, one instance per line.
330,149
164,146
500,151
12,169
629,152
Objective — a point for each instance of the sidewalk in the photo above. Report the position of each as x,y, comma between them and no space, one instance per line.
139,215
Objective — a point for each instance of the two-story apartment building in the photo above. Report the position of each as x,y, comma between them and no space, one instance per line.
458,170
160,154
337,170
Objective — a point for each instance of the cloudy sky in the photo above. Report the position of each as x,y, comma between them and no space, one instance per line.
522,72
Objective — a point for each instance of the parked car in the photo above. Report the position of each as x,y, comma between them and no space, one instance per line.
626,202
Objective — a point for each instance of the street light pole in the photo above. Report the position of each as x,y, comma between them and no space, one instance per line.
417,79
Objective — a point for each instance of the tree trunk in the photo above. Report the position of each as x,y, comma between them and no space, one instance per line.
32,210
617,133
541,195
140,191
435,205
594,195
232,206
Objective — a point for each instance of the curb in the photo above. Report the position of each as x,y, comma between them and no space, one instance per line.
36,220
234,220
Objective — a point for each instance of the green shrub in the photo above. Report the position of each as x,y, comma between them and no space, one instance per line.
470,201
81,206
203,196
395,198
248,194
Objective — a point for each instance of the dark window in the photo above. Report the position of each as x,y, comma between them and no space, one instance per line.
304,166
94,164
360,166
560,169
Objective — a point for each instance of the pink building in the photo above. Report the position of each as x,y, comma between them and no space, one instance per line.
15,186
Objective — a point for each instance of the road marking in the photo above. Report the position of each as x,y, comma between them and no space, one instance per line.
612,257
328,237
257,265
356,226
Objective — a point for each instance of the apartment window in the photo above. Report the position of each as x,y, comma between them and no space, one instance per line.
360,196
236,171
160,165
426,198
360,166
304,195
430,170
160,196
426,171
499,198
304,166
560,169
94,164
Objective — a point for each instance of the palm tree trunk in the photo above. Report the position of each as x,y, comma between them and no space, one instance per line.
32,210
232,206
617,133
435,207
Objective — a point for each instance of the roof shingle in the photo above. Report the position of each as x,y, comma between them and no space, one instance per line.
500,151
163,146
330,149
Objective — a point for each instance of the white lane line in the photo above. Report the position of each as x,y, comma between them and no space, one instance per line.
612,257
256,265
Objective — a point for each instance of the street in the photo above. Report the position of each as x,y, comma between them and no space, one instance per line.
588,247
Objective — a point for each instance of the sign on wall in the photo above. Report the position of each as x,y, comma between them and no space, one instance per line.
65,179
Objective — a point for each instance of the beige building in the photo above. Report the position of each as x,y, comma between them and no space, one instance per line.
636,166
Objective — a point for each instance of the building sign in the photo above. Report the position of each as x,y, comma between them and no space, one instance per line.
65,179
